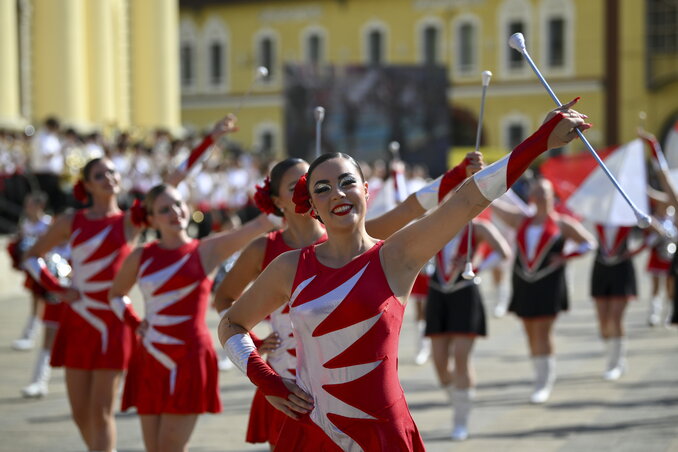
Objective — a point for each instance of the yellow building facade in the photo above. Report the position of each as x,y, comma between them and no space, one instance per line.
222,43
143,64
94,64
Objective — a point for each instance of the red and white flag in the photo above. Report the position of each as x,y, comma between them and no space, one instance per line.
588,192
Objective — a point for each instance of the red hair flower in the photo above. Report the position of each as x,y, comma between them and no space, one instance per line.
138,214
80,193
301,196
262,198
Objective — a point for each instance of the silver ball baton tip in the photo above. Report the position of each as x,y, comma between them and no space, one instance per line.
394,146
517,42
644,220
319,113
262,72
468,274
486,75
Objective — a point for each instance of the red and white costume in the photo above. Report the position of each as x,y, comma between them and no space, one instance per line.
347,324
613,272
455,305
174,368
265,420
539,286
91,336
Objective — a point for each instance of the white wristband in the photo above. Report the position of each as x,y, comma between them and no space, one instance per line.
428,195
239,347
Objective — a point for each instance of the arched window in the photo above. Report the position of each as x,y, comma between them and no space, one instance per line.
267,53
375,44
557,20
515,16
188,57
431,38
466,44
216,55
313,44
515,128
266,138
515,59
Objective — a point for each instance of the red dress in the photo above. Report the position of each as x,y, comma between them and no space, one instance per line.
347,324
174,368
90,335
266,421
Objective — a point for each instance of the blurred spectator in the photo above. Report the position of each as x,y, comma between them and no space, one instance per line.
47,163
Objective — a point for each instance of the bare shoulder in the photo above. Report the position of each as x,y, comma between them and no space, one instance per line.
286,262
257,246
65,219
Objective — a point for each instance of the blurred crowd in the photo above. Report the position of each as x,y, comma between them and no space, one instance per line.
51,158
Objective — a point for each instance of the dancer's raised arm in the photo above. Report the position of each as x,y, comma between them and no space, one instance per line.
409,249
226,125
424,199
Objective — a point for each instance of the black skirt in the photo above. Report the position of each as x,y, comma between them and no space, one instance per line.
618,280
544,297
458,312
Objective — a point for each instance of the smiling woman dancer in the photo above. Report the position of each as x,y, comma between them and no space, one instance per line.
173,374
346,298
275,197
92,343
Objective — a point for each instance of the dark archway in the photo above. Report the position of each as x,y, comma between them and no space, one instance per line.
464,125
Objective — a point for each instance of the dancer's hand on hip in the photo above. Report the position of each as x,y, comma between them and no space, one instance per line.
297,402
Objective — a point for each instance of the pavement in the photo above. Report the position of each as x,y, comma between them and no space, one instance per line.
637,413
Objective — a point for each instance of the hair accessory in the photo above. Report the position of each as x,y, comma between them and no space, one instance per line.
301,196
262,197
138,214
80,193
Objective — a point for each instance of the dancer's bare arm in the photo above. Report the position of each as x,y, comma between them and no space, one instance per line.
246,268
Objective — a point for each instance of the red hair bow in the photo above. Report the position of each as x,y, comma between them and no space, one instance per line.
262,198
138,214
301,196
80,193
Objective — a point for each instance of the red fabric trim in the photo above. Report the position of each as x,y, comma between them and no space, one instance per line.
266,379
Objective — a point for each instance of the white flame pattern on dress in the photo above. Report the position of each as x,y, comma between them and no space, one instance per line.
314,352
280,359
149,284
83,271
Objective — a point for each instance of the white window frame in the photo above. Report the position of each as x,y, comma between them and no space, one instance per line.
512,119
274,80
420,40
557,9
370,26
188,35
258,132
215,31
458,22
304,37
512,11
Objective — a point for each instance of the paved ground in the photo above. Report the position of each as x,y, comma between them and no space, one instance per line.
638,413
